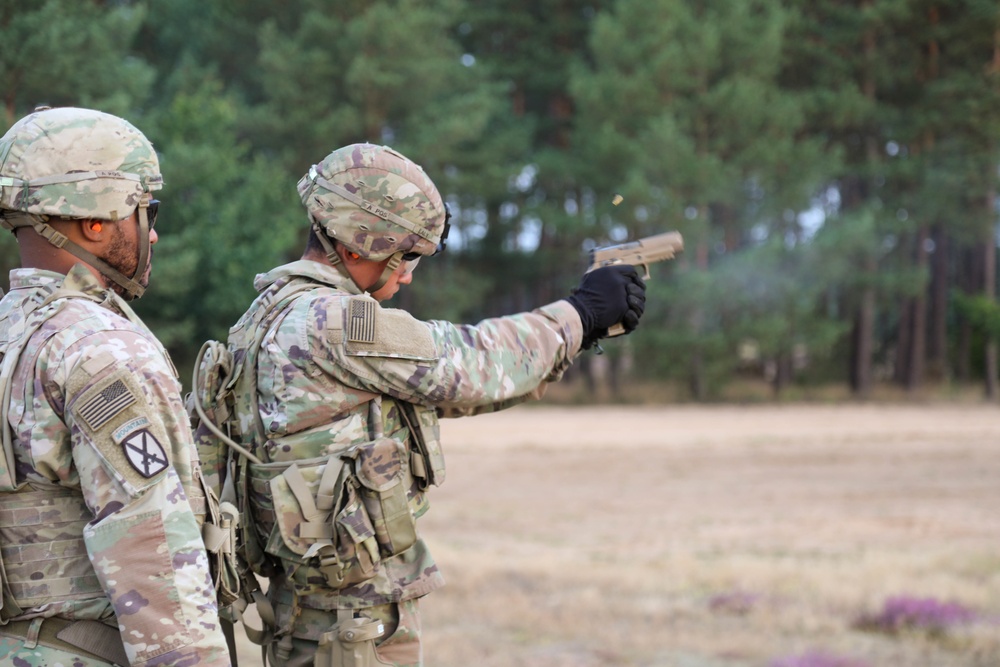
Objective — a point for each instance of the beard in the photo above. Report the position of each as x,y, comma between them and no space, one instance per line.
124,258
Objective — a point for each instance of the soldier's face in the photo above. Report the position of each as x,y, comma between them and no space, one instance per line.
403,275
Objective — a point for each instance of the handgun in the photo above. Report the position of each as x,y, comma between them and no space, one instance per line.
642,252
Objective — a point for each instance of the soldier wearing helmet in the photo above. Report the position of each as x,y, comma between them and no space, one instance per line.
101,496
336,403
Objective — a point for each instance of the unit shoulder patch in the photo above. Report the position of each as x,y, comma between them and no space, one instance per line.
116,417
145,453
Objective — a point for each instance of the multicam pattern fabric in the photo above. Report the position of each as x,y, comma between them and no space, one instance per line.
374,201
114,164
318,371
90,530
14,652
399,645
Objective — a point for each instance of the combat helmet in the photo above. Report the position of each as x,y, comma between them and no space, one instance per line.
72,163
376,203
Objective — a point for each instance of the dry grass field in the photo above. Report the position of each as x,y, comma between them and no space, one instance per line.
692,536
714,536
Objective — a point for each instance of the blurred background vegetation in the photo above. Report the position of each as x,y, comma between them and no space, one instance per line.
832,164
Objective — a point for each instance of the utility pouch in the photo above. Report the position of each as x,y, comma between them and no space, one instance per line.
350,644
341,514
381,469
425,437
315,518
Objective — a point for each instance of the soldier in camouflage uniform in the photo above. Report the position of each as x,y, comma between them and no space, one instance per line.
101,497
337,400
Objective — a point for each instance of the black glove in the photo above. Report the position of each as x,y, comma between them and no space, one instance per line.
607,296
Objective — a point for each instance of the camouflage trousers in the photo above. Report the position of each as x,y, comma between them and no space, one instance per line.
398,646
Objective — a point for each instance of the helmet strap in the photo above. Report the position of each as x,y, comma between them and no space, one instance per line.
393,264
324,240
144,246
133,290
331,255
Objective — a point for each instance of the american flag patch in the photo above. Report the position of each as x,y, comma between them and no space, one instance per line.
361,327
108,402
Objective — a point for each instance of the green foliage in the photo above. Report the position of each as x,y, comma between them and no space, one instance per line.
338,77
766,298
685,337
982,312
226,215
66,52
732,122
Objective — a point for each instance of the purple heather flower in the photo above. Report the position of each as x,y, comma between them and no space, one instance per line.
817,659
906,612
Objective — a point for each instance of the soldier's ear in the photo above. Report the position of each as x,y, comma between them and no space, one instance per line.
93,230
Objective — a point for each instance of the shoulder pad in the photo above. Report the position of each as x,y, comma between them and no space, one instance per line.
370,330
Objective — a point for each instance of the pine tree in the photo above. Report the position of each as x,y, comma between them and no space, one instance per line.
683,112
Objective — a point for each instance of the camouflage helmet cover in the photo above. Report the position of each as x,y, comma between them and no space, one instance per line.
76,163
374,201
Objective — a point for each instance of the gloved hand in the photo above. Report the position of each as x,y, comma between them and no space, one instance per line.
607,296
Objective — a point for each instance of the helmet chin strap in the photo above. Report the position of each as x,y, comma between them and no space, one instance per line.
13,220
145,248
393,264
331,253
334,259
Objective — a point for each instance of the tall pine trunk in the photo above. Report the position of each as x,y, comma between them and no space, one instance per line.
918,335
865,322
912,330
937,342
989,251
864,346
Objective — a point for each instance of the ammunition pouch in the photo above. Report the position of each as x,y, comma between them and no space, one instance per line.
219,533
427,458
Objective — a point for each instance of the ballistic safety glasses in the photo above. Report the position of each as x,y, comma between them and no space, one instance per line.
151,211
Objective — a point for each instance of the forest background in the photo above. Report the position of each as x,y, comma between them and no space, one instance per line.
832,164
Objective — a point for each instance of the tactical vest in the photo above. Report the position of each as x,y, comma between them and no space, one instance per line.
341,515
42,559
35,570
337,517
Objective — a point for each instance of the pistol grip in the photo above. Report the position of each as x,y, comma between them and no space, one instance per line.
616,330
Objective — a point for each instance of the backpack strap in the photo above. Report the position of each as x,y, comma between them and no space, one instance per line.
274,306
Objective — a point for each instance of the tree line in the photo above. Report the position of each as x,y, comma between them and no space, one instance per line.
832,164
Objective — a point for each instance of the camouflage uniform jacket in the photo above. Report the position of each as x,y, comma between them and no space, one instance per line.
101,517
333,350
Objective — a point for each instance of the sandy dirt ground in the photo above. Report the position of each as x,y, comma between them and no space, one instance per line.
689,536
